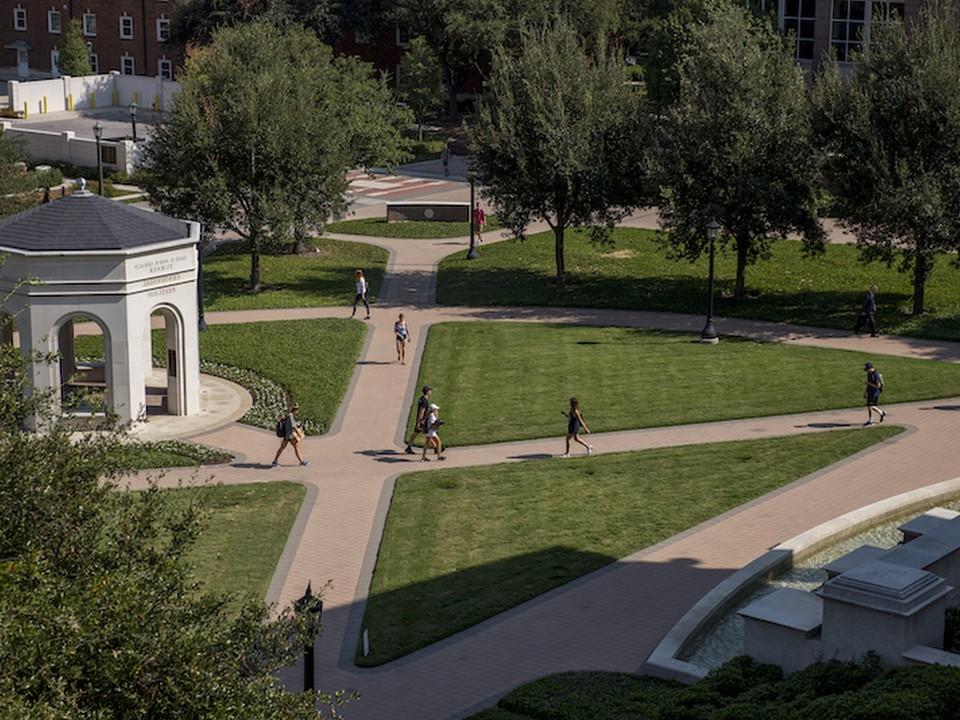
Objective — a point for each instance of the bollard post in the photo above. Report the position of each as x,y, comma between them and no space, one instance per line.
26,109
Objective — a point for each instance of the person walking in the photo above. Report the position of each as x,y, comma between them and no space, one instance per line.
432,425
874,387
420,424
479,221
868,315
445,158
292,433
575,424
402,333
362,287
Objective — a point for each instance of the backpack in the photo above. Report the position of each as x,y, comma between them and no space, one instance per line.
880,381
282,428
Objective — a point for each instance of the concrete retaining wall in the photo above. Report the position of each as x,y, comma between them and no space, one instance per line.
66,147
36,97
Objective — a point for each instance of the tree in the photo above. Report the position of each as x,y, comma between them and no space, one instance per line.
74,55
737,144
196,21
421,83
892,132
263,131
559,136
99,614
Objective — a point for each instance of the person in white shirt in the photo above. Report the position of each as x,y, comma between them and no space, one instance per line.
433,424
362,288
402,332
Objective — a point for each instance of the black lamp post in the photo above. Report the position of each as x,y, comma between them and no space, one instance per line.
133,119
201,246
472,252
709,333
98,134
311,604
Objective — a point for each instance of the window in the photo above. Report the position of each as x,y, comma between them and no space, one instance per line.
799,20
126,27
163,29
54,21
850,27
95,63
165,69
127,65
108,154
403,36
19,18
89,24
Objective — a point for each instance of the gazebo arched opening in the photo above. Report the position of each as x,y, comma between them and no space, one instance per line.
166,383
81,346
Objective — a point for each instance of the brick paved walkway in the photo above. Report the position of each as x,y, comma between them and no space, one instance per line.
608,620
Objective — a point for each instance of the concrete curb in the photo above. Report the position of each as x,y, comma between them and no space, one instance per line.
663,662
293,542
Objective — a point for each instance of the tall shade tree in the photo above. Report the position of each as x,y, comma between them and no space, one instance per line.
421,82
195,21
893,134
559,136
737,144
263,131
74,55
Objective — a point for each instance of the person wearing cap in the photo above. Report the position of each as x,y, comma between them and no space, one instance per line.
872,393
432,425
423,410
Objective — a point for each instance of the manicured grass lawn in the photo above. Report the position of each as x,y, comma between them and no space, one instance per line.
497,381
312,360
420,229
462,545
243,538
323,278
634,273
172,453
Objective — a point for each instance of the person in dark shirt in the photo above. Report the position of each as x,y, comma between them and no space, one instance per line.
874,387
423,411
868,315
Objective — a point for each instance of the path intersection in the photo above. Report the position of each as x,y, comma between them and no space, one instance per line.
608,620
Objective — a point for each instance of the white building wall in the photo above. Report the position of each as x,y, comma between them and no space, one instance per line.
89,92
66,147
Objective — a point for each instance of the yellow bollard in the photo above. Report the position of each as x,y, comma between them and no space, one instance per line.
115,99
93,100
156,103
26,110
70,102
136,98
44,104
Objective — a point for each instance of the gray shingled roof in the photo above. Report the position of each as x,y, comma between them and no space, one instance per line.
87,222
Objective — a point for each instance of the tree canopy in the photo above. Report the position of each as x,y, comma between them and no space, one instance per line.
559,137
892,130
263,131
421,81
74,55
737,145
196,21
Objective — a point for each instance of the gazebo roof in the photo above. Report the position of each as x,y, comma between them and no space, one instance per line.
87,222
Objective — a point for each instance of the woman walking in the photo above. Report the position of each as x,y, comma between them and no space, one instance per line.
402,333
575,424
479,221
432,425
292,433
362,287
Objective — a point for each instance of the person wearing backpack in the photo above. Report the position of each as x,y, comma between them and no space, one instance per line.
292,433
420,423
874,387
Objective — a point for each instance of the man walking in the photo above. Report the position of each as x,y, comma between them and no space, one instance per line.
423,412
872,393
869,314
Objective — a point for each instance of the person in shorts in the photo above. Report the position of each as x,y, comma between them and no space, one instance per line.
289,429
874,386
402,334
432,425
423,411
479,221
575,424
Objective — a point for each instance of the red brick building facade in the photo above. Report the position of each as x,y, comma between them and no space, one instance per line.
129,36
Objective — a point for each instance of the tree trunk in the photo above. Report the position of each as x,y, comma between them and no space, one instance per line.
450,79
254,262
740,291
921,271
300,241
420,130
558,247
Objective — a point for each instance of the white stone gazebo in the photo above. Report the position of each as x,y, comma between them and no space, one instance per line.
92,260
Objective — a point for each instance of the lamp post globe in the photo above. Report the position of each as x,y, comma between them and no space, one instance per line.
709,334
98,134
472,253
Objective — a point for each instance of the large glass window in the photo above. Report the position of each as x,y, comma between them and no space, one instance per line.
799,20
54,21
89,24
850,27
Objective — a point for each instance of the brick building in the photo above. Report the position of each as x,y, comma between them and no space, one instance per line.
129,36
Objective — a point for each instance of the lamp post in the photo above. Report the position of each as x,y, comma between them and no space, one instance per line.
133,119
98,134
311,604
472,252
201,320
709,333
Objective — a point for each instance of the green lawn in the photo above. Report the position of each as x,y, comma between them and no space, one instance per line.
311,361
323,278
243,538
462,545
172,453
419,229
634,273
498,381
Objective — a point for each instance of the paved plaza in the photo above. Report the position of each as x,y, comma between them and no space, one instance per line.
608,620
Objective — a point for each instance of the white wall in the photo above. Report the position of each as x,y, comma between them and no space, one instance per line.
36,97
66,147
